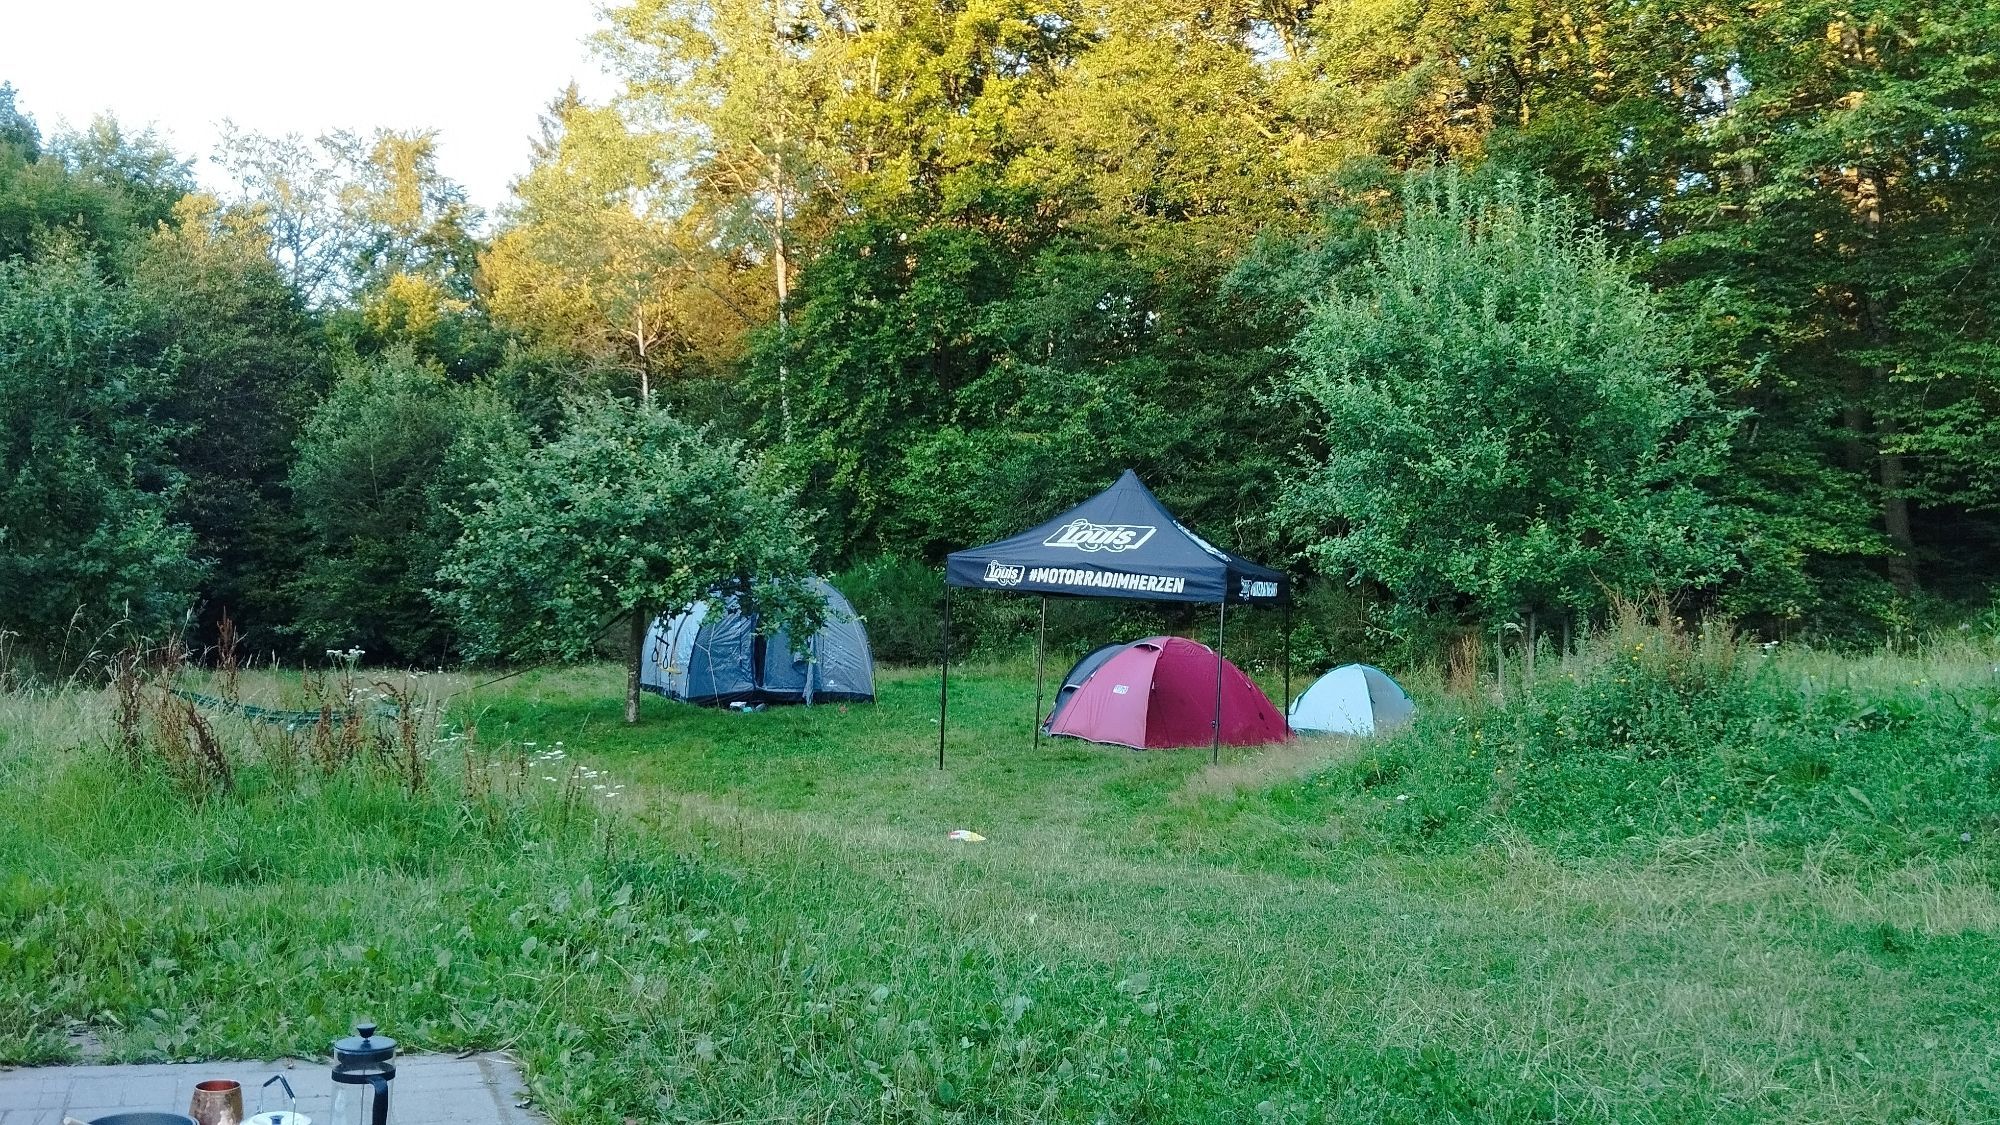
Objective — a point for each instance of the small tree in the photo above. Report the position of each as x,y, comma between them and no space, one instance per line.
628,511
1507,419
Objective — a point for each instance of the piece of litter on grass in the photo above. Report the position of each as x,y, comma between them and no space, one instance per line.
965,836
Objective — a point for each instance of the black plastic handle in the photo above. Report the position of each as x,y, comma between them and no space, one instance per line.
289,1095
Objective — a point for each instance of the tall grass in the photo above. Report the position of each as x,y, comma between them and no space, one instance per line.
1651,731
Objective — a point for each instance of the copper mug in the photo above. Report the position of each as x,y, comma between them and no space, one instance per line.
218,1101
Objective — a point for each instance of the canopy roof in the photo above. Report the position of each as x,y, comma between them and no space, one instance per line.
1121,543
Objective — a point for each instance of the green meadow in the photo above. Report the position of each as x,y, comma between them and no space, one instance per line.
1672,879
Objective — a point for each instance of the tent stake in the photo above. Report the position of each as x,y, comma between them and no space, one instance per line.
944,673
1285,705
1041,647
1221,616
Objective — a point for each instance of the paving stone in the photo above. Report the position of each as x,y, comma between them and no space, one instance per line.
152,1091
432,1089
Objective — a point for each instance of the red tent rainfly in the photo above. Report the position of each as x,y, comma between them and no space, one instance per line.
1153,694
1121,543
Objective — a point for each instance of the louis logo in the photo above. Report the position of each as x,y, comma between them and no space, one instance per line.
1087,536
1001,574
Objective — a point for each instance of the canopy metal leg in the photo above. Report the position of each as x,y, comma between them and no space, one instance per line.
1041,648
944,673
1285,704
1221,616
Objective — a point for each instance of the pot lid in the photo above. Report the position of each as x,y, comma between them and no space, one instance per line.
363,1048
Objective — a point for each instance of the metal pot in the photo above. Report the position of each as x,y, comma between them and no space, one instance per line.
218,1101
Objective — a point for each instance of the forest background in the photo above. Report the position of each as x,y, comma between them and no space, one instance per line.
1469,314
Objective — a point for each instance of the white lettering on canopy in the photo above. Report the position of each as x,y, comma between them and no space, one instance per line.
1107,580
1087,536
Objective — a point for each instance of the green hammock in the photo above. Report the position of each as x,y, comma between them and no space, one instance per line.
291,719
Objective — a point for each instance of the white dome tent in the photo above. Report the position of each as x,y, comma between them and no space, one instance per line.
1352,699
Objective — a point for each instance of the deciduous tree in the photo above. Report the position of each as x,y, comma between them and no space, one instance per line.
249,364
1507,415
87,539
628,512
601,258
383,463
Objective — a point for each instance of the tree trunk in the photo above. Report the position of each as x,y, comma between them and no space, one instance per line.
1530,672
783,270
780,267
1892,470
639,337
1896,517
639,624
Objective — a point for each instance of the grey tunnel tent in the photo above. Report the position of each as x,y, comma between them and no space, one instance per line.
1121,543
712,654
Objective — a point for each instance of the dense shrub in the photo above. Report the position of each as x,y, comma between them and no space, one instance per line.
898,601
1651,732
383,466
89,543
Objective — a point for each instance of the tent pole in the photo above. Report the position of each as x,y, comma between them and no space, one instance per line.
1041,648
944,673
1221,616
1286,704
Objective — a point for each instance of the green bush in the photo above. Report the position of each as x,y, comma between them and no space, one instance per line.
383,465
897,600
1650,732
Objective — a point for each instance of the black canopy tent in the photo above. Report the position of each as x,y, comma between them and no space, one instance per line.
1121,543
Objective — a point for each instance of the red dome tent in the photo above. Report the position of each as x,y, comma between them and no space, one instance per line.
1153,694
1121,543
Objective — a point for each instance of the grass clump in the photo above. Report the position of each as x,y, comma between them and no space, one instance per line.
179,881
1653,732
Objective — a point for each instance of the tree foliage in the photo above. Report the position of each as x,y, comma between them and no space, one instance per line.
948,265
249,363
383,464
1508,418
628,510
88,544
600,262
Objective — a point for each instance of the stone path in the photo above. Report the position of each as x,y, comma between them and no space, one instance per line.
428,1090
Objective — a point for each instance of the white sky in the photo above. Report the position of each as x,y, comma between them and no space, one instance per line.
478,72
